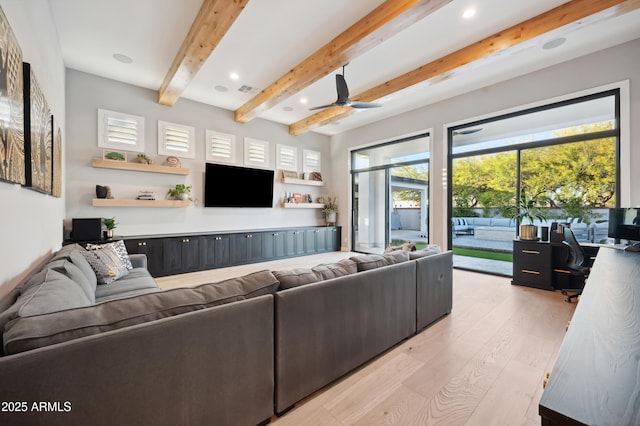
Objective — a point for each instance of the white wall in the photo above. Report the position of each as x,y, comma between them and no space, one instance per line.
595,70
31,225
86,93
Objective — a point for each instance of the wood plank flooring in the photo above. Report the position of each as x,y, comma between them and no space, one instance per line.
483,364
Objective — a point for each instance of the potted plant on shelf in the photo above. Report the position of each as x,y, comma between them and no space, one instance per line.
180,192
529,209
110,224
330,211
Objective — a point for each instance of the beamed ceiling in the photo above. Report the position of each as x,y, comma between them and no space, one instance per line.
402,54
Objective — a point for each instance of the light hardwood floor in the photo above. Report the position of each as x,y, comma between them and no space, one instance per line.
483,364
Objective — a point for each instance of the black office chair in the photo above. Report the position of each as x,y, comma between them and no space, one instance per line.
575,263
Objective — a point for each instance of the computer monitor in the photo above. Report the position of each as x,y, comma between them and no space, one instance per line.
624,224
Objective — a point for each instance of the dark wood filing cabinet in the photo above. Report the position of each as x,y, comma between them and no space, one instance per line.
532,262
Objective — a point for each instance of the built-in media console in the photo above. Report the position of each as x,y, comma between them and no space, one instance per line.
171,254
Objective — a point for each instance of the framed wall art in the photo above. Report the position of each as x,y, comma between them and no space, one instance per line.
12,144
56,178
38,135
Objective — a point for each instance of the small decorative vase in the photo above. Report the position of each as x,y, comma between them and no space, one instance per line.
108,234
528,232
331,218
182,197
101,191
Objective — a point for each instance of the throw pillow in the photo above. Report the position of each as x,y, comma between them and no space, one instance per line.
118,247
106,264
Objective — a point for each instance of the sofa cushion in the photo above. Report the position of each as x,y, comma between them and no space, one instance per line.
327,271
118,247
37,331
65,252
78,259
137,281
70,270
366,262
427,251
106,264
290,278
396,256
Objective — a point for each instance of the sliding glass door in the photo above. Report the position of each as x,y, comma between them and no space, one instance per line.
390,194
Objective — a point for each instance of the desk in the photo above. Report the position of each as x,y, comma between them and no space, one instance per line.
595,378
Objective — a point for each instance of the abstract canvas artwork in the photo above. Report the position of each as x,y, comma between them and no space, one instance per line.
56,183
38,132
12,144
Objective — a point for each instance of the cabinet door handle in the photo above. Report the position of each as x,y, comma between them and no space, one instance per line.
531,251
526,271
561,271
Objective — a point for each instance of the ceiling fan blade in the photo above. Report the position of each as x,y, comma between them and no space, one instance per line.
364,105
343,90
322,106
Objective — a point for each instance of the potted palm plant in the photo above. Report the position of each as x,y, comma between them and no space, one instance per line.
110,224
330,211
529,209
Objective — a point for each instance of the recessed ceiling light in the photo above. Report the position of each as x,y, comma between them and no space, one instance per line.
221,88
469,13
552,44
122,58
303,100
234,76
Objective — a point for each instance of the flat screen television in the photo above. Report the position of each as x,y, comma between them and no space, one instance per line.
624,224
232,186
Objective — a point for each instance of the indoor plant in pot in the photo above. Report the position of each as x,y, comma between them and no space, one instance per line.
330,211
180,192
529,209
110,224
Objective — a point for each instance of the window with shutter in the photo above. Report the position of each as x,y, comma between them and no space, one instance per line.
221,147
176,139
256,152
286,157
311,161
117,130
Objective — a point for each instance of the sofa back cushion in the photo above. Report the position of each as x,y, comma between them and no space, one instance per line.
290,278
71,271
366,262
78,259
42,330
429,250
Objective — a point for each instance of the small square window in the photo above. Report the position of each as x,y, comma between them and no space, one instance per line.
221,147
120,131
256,152
286,157
176,139
311,161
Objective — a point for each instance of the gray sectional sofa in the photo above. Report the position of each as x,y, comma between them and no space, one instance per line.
234,352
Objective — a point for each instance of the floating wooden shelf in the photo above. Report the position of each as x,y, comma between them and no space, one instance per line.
303,205
132,202
138,167
303,182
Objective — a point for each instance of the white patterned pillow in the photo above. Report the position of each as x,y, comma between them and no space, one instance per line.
106,264
118,247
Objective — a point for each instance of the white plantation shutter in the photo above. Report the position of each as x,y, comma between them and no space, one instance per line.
117,130
311,161
286,157
221,147
256,152
176,139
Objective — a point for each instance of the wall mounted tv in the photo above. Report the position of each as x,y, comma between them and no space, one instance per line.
624,224
232,186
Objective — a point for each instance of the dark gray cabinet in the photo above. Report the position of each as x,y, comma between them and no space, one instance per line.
246,247
532,262
181,254
215,251
176,254
153,248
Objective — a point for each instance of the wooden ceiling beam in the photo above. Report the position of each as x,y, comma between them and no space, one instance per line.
578,12
386,20
212,22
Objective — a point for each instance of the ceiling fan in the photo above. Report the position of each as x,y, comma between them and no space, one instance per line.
343,96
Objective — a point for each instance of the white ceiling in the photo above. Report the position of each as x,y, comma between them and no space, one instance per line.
271,37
